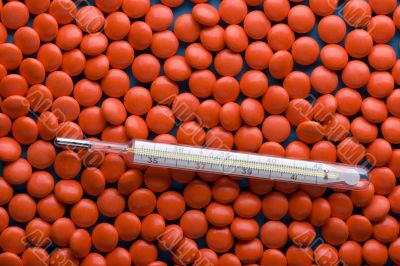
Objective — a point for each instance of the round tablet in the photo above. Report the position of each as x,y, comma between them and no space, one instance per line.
276,10
334,56
335,231
301,19
360,228
354,69
357,13
377,208
128,226
270,205
301,233
232,11
379,254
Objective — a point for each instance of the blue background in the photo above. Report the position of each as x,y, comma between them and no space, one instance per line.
186,8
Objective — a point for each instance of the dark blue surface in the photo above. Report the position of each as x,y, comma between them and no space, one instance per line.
186,8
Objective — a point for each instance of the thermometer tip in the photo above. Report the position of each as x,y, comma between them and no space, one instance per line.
73,143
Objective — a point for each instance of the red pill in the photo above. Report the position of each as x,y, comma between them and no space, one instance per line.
276,10
10,56
348,101
191,133
13,84
377,208
355,68
184,106
177,69
331,29
270,148
104,237
186,28
246,133
280,37
323,7
297,84
244,229
273,256
295,254
205,14
275,100
220,239
159,17
228,63
14,15
393,251
116,25
324,80
275,205
334,56
258,55
390,130
40,98
335,231
379,152
194,224
301,19
6,192
374,252
94,43
320,212
22,208
27,39
297,150
276,128
80,243
305,51
351,253
233,11
298,110
197,194
25,130
40,184
236,38
393,163
17,172
249,251
358,43
120,54
302,234
357,13
281,64
299,199
274,234
172,235
252,112
256,25
387,230
382,57
15,106
208,113
41,154
164,44
381,28
324,107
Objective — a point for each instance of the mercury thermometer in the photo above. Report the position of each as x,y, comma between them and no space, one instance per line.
143,152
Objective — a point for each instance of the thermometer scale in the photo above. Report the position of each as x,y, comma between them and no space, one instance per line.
223,162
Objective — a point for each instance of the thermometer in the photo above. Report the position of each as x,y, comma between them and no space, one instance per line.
223,162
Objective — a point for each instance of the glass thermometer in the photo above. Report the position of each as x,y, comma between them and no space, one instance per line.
223,162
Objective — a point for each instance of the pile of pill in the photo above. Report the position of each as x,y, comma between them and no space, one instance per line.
311,79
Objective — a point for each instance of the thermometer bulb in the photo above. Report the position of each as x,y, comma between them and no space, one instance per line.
143,152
